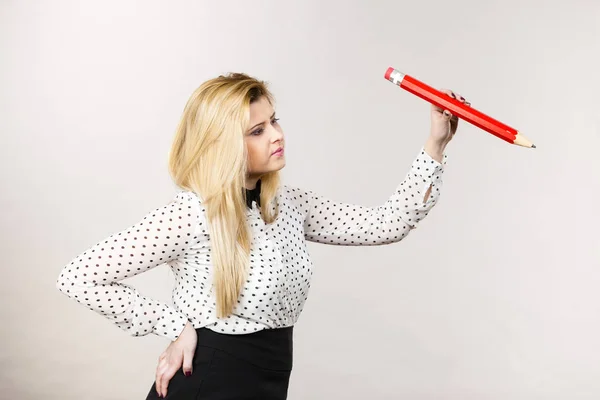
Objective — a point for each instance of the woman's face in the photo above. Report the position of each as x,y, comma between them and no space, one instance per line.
264,141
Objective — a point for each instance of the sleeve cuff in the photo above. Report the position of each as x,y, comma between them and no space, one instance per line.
427,172
426,169
171,324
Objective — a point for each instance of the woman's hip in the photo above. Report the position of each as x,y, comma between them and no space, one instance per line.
250,366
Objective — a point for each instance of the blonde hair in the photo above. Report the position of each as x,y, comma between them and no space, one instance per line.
208,156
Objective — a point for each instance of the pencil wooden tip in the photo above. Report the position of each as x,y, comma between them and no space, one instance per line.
522,140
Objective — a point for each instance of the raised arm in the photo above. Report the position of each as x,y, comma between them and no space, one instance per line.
92,278
330,222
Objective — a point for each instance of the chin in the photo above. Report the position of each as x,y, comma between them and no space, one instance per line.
278,167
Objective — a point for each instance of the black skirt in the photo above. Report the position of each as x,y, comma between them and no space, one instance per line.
250,366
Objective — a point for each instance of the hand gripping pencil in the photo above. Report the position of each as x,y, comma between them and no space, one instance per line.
457,108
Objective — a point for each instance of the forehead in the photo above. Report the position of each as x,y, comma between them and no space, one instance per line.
260,111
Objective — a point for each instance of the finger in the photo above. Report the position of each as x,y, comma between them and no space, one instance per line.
188,357
447,114
166,377
455,95
160,370
439,109
449,93
453,125
157,381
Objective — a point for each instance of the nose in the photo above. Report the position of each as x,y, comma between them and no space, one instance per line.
276,134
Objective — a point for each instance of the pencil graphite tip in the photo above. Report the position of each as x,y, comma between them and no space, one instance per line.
533,146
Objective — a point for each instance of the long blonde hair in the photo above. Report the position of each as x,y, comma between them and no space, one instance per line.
208,156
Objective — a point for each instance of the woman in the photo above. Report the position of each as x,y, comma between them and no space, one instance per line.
235,241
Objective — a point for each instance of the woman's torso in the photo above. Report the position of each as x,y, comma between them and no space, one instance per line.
278,279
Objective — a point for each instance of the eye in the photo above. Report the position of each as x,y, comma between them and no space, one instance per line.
259,131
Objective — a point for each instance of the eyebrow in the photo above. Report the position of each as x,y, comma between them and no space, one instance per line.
272,116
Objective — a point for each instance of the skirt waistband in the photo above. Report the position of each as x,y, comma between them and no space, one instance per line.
267,348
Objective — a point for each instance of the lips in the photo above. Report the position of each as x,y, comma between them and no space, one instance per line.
278,151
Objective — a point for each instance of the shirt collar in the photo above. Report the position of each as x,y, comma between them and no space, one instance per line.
253,195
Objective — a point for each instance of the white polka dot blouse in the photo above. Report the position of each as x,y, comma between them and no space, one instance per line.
280,269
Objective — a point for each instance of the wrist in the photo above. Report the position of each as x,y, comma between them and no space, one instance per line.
187,328
435,148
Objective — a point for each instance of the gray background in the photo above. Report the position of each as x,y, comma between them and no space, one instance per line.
494,296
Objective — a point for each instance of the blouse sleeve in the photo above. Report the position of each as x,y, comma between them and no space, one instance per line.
93,277
330,222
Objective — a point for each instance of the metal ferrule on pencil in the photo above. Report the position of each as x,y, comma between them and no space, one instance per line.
396,77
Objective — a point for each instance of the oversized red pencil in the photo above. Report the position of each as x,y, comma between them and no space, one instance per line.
457,108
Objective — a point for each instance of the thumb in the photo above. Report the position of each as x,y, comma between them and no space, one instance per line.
447,114
188,357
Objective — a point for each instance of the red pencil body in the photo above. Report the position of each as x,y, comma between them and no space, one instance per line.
457,108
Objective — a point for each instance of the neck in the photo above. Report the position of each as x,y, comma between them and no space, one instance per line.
251,182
